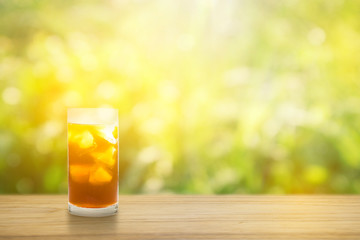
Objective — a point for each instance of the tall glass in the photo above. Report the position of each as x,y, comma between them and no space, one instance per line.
93,161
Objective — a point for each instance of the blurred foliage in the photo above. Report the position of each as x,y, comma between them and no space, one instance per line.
214,96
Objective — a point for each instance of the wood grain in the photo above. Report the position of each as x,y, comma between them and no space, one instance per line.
186,217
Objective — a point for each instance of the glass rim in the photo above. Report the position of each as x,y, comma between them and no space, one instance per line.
94,108
92,115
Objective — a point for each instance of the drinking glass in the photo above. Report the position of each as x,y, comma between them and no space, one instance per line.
92,137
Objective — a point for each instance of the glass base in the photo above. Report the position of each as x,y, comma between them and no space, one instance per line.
93,212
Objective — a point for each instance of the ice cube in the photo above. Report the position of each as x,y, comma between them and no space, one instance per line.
83,139
87,140
105,157
99,176
106,133
79,172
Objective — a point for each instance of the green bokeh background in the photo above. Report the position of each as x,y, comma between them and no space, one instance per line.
214,97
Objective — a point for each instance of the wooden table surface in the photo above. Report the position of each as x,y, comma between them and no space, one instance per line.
186,217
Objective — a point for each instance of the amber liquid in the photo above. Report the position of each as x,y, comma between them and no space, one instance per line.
93,165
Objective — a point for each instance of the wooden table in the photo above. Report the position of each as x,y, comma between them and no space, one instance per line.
186,217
